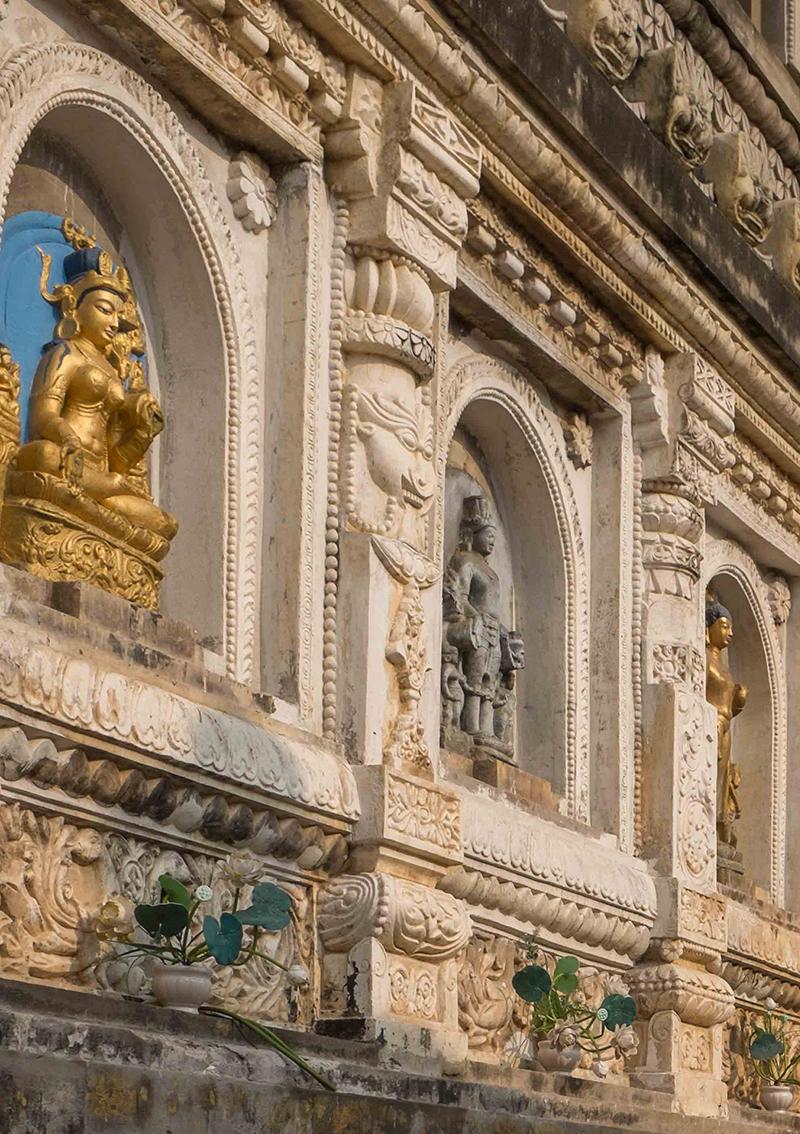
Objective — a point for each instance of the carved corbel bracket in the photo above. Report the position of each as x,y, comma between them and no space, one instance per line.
390,950
404,916
697,997
677,102
407,168
605,31
733,167
783,243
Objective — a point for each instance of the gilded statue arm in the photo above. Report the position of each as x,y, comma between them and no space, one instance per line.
739,699
140,420
48,394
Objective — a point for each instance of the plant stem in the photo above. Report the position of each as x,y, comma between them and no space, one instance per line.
274,1041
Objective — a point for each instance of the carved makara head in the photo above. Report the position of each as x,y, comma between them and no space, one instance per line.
609,30
398,448
688,127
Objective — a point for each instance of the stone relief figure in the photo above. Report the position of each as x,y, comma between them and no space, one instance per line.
480,656
77,504
728,698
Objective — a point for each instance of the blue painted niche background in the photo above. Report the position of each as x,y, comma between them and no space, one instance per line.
27,321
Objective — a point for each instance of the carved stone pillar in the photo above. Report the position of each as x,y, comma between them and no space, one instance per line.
404,168
682,413
9,413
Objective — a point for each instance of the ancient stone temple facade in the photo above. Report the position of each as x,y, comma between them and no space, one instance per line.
400,488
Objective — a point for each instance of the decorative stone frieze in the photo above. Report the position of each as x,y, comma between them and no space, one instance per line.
80,693
163,799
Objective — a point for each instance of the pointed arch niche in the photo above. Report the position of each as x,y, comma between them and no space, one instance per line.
90,140
497,441
755,658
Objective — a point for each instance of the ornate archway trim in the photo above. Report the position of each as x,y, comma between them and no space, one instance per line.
487,379
35,80
726,558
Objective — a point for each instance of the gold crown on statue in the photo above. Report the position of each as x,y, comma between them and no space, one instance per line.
86,270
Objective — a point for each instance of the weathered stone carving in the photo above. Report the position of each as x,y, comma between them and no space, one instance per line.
406,651
578,437
486,999
729,699
779,597
48,885
488,654
741,194
406,917
606,31
77,504
166,800
677,102
252,192
783,243
82,694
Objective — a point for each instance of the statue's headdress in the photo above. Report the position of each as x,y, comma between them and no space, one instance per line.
475,516
85,270
714,611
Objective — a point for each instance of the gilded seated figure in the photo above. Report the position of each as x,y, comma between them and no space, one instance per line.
77,504
728,698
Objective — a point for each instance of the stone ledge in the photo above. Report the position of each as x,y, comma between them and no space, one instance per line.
71,1063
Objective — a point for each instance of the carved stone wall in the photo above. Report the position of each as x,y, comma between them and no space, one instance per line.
364,231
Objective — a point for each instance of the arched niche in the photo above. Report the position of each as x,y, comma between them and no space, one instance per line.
497,441
759,731
122,162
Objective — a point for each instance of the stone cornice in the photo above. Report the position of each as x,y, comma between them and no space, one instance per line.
626,269
95,700
550,876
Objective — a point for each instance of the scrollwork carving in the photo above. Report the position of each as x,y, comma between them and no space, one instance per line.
405,917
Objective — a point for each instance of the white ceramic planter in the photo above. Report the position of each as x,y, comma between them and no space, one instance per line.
181,986
550,1058
776,1096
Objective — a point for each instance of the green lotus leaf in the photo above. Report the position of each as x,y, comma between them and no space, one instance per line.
270,908
532,983
566,965
175,890
620,1010
223,938
565,983
766,1046
166,920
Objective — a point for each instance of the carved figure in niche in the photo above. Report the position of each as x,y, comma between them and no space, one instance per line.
78,505
728,698
452,688
488,653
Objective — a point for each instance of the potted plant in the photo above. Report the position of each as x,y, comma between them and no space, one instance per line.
775,1058
180,941
564,1026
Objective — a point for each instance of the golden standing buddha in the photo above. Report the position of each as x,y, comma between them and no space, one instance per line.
77,504
728,698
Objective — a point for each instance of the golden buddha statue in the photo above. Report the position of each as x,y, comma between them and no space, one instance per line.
728,698
77,504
